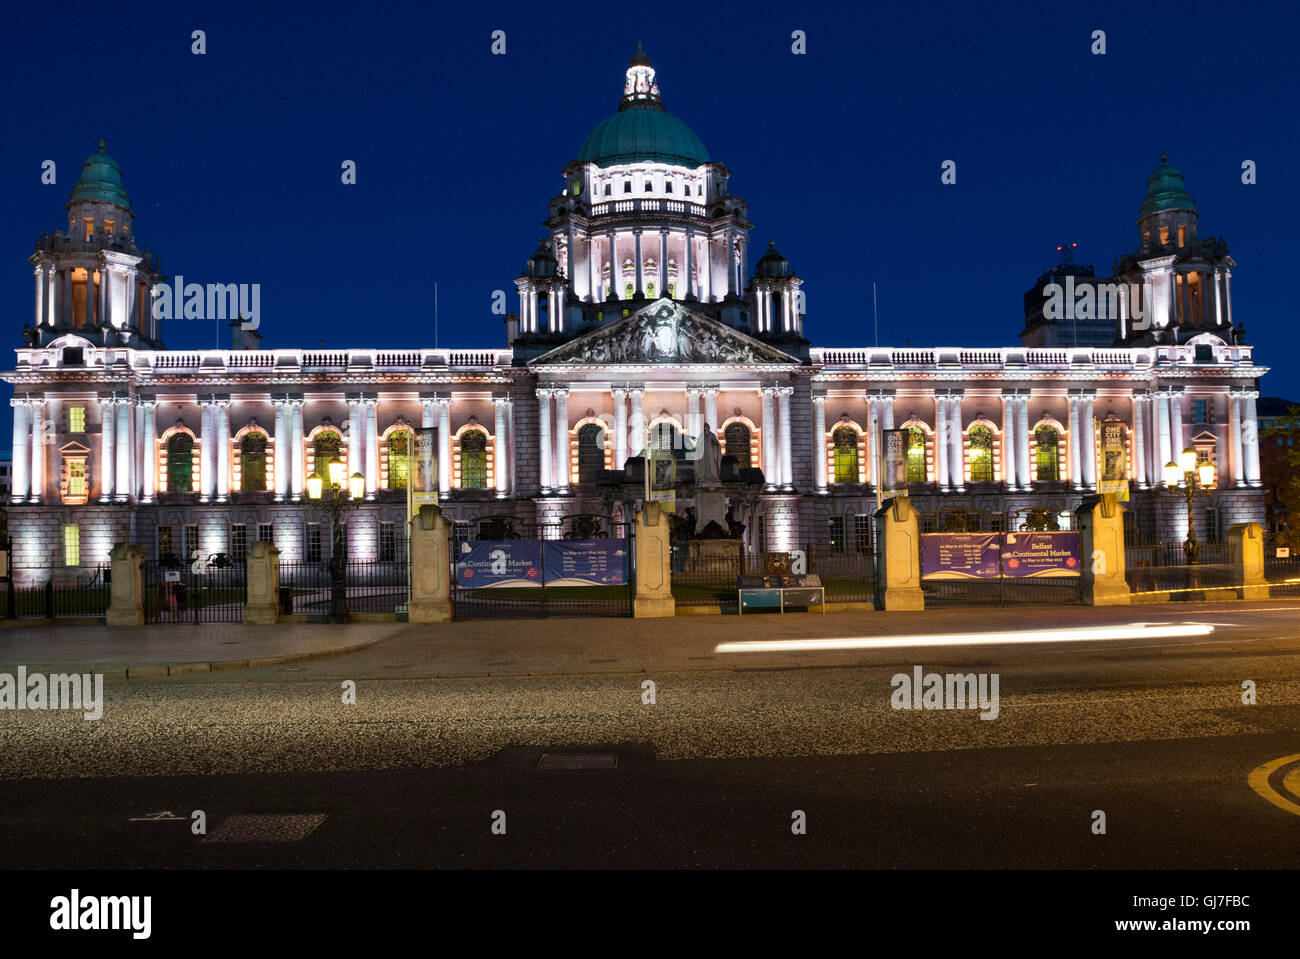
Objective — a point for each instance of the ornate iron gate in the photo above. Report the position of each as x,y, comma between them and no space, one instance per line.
203,591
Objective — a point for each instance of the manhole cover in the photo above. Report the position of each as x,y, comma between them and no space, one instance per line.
241,828
578,761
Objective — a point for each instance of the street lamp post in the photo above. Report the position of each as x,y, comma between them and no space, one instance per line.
339,501
1190,473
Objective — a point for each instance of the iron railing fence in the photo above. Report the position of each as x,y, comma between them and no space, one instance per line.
1163,567
83,593
369,586
1279,570
176,592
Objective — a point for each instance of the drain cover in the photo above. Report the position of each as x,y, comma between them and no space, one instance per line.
578,761
241,828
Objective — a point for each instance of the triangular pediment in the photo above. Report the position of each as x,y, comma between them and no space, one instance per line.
664,332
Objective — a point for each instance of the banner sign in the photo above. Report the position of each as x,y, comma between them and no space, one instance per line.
960,555
994,555
1054,553
586,562
510,562
1114,461
893,473
661,480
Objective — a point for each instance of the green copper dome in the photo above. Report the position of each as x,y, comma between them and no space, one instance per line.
1166,191
101,180
641,129
641,134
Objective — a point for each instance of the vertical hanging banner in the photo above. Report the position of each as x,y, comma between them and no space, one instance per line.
661,479
1114,461
893,456
422,468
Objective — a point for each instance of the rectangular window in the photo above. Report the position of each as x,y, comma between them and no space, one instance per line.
837,534
1213,534
191,542
387,542
76,419
264,533
627,186
762,532
90,228
1200,411
238,541
164,541
72,545
76,478
862,530
312,552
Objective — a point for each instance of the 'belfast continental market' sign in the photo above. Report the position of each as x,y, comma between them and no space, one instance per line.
993,555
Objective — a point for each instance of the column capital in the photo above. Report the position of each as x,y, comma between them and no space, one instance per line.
16,401
1009,394
711,390
560,392
956,394
768,390
785,390
1141,393
545,393
146,402
618,392
819,398
501,401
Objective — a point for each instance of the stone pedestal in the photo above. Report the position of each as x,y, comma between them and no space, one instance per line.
126,605
430,567
654,592
1101,552
898,540
1246,554
710,506
263,604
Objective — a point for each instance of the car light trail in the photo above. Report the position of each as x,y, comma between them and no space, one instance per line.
1076,635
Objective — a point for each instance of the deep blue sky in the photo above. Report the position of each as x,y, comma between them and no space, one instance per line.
232,159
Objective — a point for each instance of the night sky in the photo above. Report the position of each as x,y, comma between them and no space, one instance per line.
233,159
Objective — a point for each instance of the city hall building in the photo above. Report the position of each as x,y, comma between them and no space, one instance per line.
643,316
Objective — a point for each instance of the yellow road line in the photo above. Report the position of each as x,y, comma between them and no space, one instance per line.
1258,780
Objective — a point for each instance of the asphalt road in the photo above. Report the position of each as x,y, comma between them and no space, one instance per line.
1154,734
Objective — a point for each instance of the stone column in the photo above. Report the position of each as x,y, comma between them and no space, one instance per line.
1076,447
593,267
444,445
1139,439
941,440
636,429
37,461
372,446
711,408
222,412
1024,465
22,448
638,264
1088,440
546,452
149,465
263,570
1176,439
661,285
40,296
787,474
296,472
613,288
819,441
898,554
957,458
207,450
694,422
430,567
561,478
1250,437
654,591
356,435
687,278
771,471
1162,432
620,427
1009,439
107,462
126,599
873,433
122,450
1101,552
283,456
500,445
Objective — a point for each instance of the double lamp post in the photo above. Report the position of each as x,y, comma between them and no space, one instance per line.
336,500
1187,472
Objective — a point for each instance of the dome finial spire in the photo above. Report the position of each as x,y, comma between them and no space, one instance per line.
102,145
640,89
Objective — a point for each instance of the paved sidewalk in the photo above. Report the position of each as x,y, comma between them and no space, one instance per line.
560,646
152,651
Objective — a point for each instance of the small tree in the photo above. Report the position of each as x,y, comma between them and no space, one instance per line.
1286,491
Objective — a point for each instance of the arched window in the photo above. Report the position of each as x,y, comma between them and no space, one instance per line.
325,448
981,454
180,463
845,440
591,453
1046,454
916,455
399,458
252,462
665,436
737,438
473,460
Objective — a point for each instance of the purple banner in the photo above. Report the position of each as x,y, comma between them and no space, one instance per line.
586,562
960,555
1053,553
511,562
